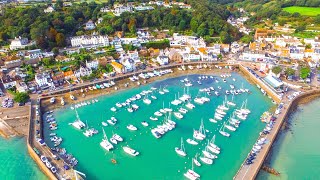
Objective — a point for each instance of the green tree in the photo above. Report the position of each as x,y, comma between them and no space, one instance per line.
21,97
60,39
276,69
194,25
289,71
304,72
48,61
109,68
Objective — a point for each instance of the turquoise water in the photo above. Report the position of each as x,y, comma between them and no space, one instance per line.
158,159
16,162
296,153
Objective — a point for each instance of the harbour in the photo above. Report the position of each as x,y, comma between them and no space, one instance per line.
71,174
175,164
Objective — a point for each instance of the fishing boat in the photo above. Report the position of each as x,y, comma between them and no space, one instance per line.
222,132
130,151
206,160
132,127
105,143
192,142
144,123
181,150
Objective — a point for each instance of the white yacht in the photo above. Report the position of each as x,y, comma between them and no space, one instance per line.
181,150
105,143
114,141
190,105
182,110
178,115
113,109
130,151
231,128
192,142
206,160
104,123
157,113
117,137
222,132
111,122
144,123
146,100
153,118
119,105
132,127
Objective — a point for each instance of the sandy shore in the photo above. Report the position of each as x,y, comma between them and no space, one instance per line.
120,84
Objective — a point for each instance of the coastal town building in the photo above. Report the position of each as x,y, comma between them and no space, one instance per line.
117,67
21,87
162,60
12,61
20,43
49,9
44,80
90,25
9,82
82,71
90,41
92,64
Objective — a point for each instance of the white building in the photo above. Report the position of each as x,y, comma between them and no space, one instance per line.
162,60
19,43
93,40
121,9
92,64
49,9
90,25
82,71
43,80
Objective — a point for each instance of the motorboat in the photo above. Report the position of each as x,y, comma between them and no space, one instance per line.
178,115
117,137
113,109
114,141
156,133
144,123
132,127
111,122
192,142
157,113
190,105
153,118
104,124
52,100
130,151
182,110
213,120
119,105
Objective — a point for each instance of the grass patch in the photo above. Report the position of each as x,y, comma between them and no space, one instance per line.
306,34
304,11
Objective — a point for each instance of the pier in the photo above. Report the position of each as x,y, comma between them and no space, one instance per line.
251,171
